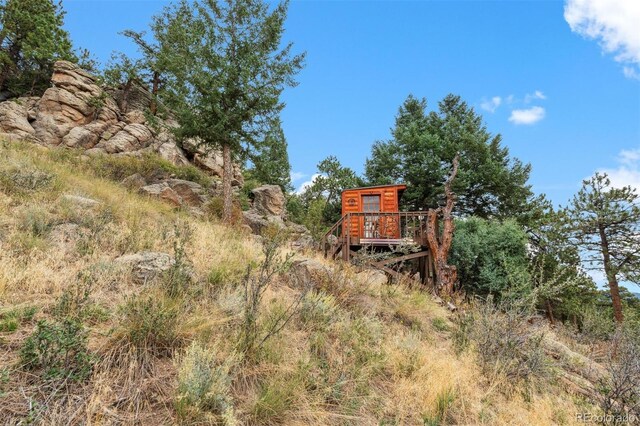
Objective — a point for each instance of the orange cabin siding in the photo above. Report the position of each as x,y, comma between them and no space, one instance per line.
354,201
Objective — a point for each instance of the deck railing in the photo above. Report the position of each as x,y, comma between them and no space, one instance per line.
376,228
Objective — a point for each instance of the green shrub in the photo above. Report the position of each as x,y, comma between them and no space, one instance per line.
218,275
505,342
214,209
491,256
149,326
24,179
204,384
177,279
440,324
277,396
76,302
9,325
35,221
11,320
318,310
59,349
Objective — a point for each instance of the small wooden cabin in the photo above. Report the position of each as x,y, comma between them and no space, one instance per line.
370,200
371,218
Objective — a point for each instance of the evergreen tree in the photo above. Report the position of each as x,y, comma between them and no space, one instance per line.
271,160
604,224
489,183
123,72
333,178
31,40
149,66
225,69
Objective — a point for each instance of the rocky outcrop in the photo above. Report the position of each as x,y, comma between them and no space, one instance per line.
269,200
312,271
74,100
267,209
80,201
146,266
177,191
14,118
77,113
257,222
211,160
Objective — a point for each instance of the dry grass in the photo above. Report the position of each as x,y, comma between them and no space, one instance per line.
353,354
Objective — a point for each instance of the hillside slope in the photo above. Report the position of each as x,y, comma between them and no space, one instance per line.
90,334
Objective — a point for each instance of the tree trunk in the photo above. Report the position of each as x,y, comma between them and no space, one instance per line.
446,275
611,276
227,176
550,313
154,93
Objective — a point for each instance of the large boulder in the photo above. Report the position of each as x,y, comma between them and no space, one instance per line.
74,100
177,192
269,200
257,222
132,137
373,277
211,160
14,118
311,272
86,136
146,266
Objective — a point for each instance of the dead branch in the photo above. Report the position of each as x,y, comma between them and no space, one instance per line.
440,244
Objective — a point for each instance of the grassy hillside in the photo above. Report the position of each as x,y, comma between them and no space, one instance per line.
232,333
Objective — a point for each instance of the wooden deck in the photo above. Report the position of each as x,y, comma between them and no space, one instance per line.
379,230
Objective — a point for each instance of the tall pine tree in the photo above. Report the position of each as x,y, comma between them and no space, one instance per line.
490,183
31,40
271,160
603,222
225,68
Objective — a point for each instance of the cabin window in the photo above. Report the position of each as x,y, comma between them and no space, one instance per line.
370,203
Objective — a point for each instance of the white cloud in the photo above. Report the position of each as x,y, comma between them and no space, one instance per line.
629,156
296,176
628,171
492,104
532,96
614,23
527,116
304,185
631,73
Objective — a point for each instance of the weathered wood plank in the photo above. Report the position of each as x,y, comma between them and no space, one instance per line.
401,258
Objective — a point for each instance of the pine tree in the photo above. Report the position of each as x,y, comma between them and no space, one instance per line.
225,69
332,179
423,145
604,224
271,160
31,40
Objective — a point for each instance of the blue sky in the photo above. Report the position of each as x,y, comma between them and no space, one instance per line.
560,80
559,99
